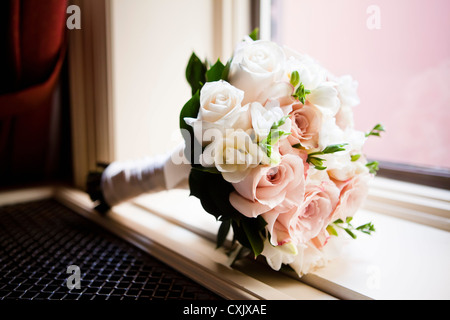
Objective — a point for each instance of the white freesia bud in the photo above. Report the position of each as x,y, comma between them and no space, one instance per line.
325,97
330,133
341,168
311,73
308,259
313,76
234,155
278,255
339,165
255,66
264,117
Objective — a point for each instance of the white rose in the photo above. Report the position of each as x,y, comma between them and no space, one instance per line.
256,66
264,117
234,155
220,108
218,99
347,88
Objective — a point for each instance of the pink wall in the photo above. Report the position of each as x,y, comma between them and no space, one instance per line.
403,68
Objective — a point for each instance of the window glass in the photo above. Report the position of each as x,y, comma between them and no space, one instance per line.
398,51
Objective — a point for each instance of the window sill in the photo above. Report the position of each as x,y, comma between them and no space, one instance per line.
405,259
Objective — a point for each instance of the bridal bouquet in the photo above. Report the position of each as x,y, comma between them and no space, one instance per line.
275,156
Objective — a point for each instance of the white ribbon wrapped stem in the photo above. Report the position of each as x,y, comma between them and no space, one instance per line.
124,180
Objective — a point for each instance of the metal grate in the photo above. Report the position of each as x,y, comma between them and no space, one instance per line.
40,239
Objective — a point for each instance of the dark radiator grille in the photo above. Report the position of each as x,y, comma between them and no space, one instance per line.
40,239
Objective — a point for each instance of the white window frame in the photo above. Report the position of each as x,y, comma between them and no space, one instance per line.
166,236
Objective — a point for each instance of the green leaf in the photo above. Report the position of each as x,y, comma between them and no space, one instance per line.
267,147
355,157
253,232
195,73
367,228
226,71
373,167
223,232
295,78
297,146
350,233
330,149
331,230
279,123
190,110
318,162
212,170
376,130
334,148
315,161
215,72
214,192
273,136
254,34
300,93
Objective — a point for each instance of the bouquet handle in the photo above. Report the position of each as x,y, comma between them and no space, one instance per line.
123,180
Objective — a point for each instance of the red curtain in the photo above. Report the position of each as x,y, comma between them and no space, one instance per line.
32,33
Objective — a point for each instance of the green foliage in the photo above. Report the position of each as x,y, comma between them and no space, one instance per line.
195,73
274,136
367,228
299,93
376,130
318,162
373,167
190,110
214,192
224,229
215,72
254,34
295,78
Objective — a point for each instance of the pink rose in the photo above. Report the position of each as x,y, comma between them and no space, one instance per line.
310,219
271,191
352,196
306,123
286,148
321,239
